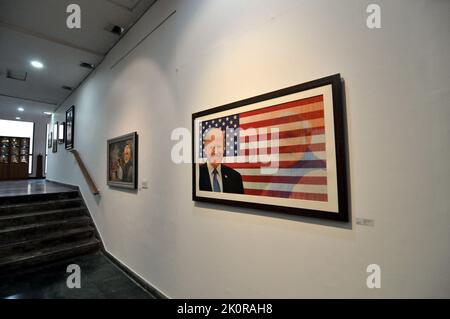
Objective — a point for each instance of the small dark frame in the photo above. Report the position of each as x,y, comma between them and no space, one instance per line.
340,149
55,137
69,134
62,131
50,140
120,184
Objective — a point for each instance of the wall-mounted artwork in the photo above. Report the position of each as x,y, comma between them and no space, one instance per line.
55,137
123,161
61,133
70,127
50,140
281,151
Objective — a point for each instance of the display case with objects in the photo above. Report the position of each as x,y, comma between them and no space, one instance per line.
14,157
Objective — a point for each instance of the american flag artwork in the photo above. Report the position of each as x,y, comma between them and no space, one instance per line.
279,150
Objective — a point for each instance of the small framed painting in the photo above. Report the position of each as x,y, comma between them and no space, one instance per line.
282,151
123,161
70,127
61,133
55,137
50,140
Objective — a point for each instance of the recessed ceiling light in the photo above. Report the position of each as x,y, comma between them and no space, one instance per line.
37,64
48,113
18,118
20,109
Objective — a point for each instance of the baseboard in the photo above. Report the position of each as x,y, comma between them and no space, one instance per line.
147,287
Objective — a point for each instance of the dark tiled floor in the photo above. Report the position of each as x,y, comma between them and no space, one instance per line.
30,187
100,279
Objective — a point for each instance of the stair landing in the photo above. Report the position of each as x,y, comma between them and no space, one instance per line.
31,187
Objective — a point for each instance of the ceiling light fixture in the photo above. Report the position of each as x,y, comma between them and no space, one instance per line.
20,109
48,113
37,64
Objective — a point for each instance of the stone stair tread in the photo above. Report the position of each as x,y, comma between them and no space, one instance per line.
37,229
37,198
47,212
44,202
54,250
51,235
43,224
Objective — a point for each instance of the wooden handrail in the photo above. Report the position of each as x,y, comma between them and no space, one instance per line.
85,172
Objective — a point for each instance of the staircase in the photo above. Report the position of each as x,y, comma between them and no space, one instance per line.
43,228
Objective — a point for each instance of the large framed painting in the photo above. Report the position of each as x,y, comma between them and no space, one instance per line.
123,161
282,151
70,128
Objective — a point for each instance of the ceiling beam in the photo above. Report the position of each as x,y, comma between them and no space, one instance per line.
35,34
110,49
120,5
28,99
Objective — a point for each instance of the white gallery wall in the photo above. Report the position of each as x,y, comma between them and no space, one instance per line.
213,52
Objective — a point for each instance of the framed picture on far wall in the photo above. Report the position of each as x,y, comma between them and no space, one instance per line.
282,151
61,133
123,161
49,140
70,127
55,137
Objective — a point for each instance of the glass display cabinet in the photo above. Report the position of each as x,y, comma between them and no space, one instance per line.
14,157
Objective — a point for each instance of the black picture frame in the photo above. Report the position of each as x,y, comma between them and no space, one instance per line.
118,144
62,133
334,86
55,137
50,140
69,135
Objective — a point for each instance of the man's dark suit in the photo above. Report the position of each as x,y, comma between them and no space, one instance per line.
127,170
231,180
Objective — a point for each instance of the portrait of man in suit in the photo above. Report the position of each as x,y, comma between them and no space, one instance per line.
127,165
122,162
214,175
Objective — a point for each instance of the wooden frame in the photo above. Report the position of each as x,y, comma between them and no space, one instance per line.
122,171
69,134
308,178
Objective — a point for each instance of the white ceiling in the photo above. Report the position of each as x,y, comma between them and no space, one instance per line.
33,110
36,30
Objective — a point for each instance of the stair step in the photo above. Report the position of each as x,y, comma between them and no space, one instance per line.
26,232
33,218
49,239
40,206
9,200
47,255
